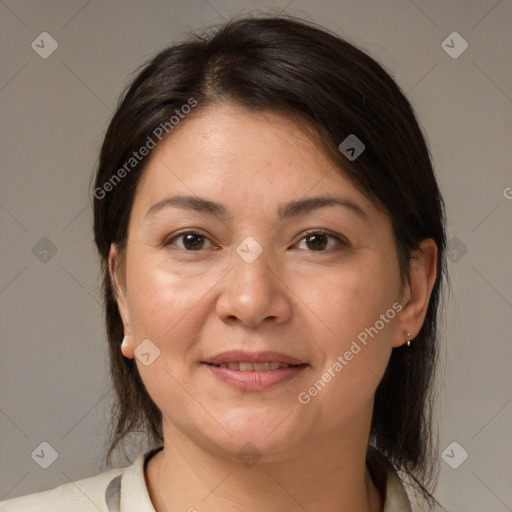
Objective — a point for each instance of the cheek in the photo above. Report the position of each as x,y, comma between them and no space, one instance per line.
355,326
168,305
352,297
164,308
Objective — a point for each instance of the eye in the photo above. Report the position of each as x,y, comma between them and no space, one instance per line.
192,241
317,240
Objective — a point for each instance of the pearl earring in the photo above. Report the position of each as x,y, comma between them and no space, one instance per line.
408,340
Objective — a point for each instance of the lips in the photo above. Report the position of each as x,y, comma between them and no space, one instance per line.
241,357
259,371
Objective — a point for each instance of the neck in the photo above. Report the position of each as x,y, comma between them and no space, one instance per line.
326,476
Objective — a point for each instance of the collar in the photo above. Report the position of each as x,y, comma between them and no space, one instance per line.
387,481
128,492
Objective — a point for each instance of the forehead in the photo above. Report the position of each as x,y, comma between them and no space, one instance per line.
235,155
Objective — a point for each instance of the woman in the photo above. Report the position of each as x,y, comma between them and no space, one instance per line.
273,246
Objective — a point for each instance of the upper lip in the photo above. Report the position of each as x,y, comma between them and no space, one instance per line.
235,356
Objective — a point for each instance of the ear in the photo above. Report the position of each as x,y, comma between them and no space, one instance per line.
416,293
122,303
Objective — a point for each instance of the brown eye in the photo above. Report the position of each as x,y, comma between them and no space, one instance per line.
191,241
318,241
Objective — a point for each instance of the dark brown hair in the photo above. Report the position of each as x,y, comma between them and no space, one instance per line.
305,72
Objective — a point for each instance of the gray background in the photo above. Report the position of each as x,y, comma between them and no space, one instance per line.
53,367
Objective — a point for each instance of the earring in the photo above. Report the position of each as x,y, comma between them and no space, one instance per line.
408,340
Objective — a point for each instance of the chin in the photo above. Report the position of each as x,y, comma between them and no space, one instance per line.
266,430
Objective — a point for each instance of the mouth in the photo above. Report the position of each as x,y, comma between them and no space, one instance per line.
254,371
244,366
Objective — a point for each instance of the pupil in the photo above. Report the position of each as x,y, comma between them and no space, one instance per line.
189,240
321,244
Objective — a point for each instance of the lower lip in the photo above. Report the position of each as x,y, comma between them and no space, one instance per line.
255,381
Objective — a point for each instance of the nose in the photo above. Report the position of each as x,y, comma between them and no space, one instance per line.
254,292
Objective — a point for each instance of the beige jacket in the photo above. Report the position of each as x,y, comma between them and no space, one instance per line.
124,490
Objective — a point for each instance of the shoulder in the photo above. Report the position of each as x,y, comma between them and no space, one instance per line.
419,504
398,496
126,485
87,494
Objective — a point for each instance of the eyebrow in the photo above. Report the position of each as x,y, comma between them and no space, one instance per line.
287,210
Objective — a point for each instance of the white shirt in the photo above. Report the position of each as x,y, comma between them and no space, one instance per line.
124,490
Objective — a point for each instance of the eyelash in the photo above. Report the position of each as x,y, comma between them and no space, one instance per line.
341,241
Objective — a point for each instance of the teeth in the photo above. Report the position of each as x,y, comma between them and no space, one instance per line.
246,367
243,366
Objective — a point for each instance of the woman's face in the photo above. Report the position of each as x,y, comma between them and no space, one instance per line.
268,275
